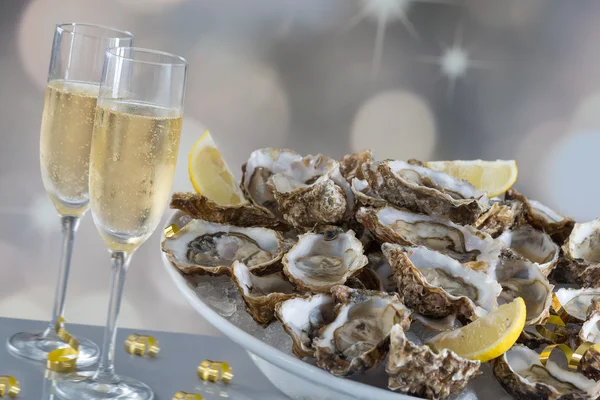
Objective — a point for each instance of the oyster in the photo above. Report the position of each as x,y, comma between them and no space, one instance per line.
541,217
302,317
321,260
421,189
304,191
245,214
522,375
202,247
358,338
365,195
418,371
577,302
261,293
463,243
522,278
379,263
436,285
534,245
351,165
582,250
499,218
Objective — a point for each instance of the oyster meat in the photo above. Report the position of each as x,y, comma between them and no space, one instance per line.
463,243
261,293
522,375
202,247
534,245
358,338
419,371
582,251
424,190
436,285
321,260
302,317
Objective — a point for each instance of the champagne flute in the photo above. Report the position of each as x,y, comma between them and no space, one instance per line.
134,151
66,134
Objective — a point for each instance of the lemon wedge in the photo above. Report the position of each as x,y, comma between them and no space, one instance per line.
210,175
487,337
493,177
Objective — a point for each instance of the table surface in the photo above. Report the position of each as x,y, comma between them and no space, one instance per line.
173,370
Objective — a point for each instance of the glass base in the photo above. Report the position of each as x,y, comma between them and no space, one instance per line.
36,346
81,386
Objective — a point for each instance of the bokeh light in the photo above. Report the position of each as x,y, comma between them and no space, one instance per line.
395,124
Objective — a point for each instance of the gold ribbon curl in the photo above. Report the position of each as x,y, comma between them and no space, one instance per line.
559,332
560,311
213,370
171,230
186,396
64,359
141,345
10,386
573,357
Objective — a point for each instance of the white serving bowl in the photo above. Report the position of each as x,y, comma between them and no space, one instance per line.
294,377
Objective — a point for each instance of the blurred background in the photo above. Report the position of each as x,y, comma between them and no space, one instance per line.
447,79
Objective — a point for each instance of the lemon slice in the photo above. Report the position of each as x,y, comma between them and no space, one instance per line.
488,337
210,175
493,177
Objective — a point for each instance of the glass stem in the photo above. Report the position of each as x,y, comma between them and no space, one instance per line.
69,225
106,367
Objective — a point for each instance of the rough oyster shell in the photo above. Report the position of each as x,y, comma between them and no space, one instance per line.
245,214
320,260
418,371
293,188
351,165
302,317
521,278
499,218
534,245
463,243
203,247
522,375
365,195
577,302
358,338
436,285
541,217
424,190
261,293
582,250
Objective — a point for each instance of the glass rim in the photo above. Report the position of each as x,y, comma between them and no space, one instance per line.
177,61
123,34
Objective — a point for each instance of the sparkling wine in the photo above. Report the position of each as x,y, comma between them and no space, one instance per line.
133,157
66,134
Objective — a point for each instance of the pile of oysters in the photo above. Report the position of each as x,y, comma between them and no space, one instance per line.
348,254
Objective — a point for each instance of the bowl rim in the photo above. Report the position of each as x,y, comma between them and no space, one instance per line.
265,351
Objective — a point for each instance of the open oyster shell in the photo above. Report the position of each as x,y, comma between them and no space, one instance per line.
365,195
418,371
541,217
245,214
302,317
321,260
436,285
463,243
293,187
577,302
366,279
522,278
498,219
358,338
261,293
582,250
424,190
203,247
533,245
522,375
351,165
